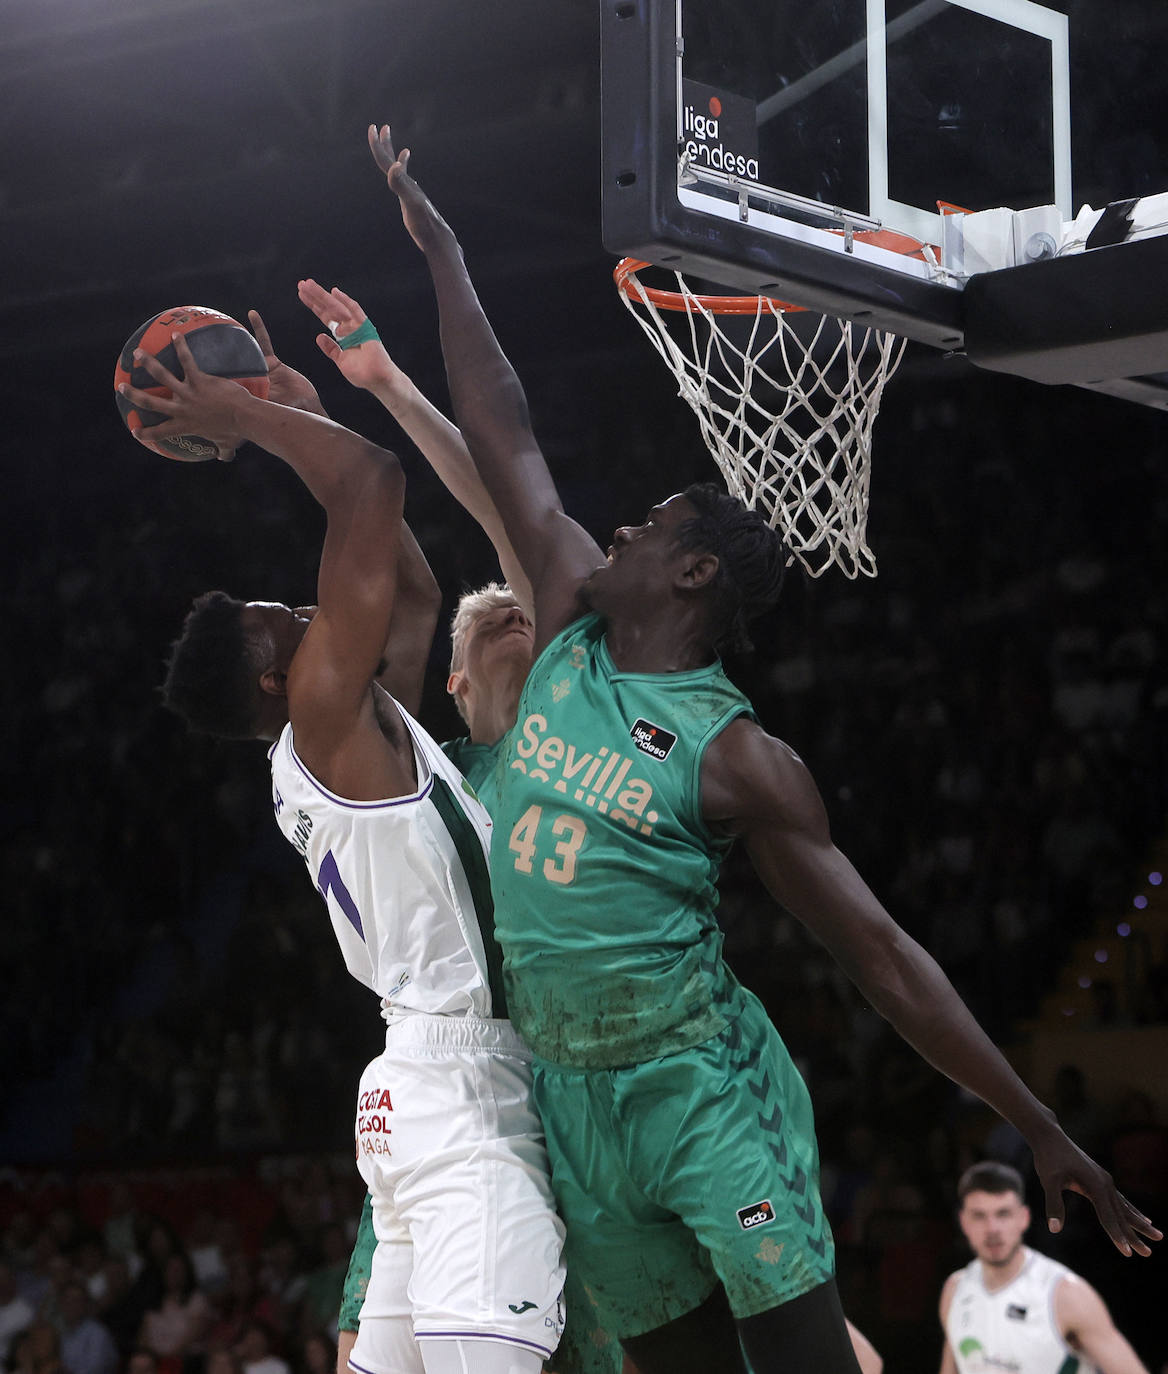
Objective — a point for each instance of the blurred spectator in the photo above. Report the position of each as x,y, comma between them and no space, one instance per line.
324,1283
141,1361
240,1303
207,1251
255,1352
119,1308
1138,1151
15,1311
86,1345
222,1360
317,1355
1078,1115
121,1227
179,1321
36,1350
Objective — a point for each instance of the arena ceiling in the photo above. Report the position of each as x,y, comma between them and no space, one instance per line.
212,151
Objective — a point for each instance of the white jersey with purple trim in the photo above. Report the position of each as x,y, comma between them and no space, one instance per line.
405,880
1012,1329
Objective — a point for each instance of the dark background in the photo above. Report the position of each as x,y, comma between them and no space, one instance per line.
986,719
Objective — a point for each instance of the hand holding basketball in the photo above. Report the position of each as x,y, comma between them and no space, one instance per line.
220,346
421,219
286,386
211,407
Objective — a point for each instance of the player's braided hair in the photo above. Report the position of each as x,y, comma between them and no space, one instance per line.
212,670
990,1176
752,559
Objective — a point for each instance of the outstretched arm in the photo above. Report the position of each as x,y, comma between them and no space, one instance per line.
418,600
361,489
1086,1325
369,366
756,787
491,410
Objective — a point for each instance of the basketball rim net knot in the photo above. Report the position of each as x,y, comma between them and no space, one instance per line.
786,412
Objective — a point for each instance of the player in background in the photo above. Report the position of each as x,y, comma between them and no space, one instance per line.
491,641
1013,1308
467,1272
681,1136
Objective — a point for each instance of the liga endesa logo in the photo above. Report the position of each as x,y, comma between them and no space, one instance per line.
757,1214
652,739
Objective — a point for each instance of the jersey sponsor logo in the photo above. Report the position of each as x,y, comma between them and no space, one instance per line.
1016,1313
978,1359
602,779
373,1108
757,1214
652,739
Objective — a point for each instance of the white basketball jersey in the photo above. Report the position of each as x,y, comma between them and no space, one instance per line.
1013,1329
405,880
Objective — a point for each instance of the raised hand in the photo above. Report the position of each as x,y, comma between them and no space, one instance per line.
286,386
366,364
199,404
421,219
1062,1166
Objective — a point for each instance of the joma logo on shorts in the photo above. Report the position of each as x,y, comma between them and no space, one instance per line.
757,1214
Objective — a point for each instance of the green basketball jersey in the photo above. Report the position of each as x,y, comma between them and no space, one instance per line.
476,763
602,868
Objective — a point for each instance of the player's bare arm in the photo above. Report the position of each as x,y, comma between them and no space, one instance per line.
361,489
756,787
418,600
370,366
948,1362
1085,1324
490,407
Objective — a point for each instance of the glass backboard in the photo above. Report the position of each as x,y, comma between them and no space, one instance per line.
772,145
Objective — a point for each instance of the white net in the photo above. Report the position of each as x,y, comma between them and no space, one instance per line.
787,413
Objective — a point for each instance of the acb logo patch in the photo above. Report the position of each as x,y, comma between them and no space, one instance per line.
757,1214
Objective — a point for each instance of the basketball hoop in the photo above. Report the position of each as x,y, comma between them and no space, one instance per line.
787,414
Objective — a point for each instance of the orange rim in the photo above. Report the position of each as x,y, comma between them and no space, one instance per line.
627,268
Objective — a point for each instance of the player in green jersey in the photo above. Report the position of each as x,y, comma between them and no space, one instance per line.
681,1136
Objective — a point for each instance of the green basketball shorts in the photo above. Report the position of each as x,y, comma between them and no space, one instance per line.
360,1267
679,1173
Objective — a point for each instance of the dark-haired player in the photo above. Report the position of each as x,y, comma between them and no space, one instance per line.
680,1134
467,1273
1013,1308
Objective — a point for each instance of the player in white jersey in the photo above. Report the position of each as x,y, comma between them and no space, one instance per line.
1013,1309
467,1273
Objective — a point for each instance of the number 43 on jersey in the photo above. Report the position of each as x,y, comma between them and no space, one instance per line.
527,841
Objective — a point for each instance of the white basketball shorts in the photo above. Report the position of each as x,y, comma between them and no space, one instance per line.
468,1241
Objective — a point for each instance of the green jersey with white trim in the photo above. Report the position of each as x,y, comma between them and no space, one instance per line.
602,868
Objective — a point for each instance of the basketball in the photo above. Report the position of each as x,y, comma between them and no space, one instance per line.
220,345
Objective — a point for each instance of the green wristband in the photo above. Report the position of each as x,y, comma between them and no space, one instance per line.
362,334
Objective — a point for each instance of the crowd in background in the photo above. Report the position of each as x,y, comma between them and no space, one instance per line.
987,720
222,1273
